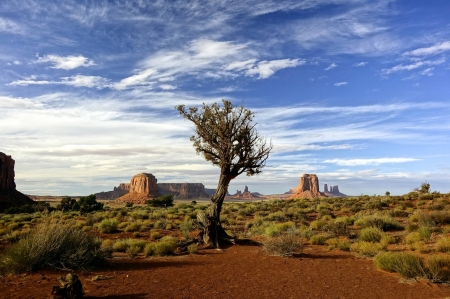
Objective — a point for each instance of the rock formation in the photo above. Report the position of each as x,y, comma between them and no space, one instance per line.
308,187
325,188
333,192
245,195
9,196
117,192
183,190
143,186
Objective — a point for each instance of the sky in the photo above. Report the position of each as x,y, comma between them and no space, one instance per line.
355,91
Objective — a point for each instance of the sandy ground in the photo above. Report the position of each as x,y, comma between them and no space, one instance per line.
239,271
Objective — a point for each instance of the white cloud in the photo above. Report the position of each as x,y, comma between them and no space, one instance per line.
166,79
436,49
331,66
427,72
9,26
265,69
66,62
364,162
361,63
141,78
76,81
340,84
167,87
19,103
16,62
413,66
241,65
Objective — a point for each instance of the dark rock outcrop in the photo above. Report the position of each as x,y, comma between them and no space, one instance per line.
9,196
308,187
183,190
117,192
244,195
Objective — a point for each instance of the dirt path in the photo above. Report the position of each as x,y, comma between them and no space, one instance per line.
236,272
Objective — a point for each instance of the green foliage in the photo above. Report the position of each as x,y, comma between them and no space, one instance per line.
438,267
336,243
52,245
370,234
443,245
161,201
383,222
366,248
407,265
108,226
165,246
193,249
318,240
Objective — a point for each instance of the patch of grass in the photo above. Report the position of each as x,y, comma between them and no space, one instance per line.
132,227
284,245
108,226
443,245
407,265
336,243
413,238
318,240
193,249
438,267
371,234
55,246
366,248
166,246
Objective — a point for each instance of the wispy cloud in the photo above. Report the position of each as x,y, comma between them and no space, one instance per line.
413,66
10,26
433,50
363,63
331,66
66,62
265,69
340,84
365,162
76,81
167,87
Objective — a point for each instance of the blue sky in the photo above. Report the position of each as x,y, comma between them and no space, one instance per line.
355,91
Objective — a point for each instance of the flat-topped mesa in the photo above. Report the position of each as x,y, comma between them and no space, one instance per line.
308,187
142,187
9,196
333,192
183,190
119,191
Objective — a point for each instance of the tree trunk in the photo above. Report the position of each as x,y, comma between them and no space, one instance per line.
214,231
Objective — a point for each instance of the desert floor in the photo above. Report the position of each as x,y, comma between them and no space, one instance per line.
239,271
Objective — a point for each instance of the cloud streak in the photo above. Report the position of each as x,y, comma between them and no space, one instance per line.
66,62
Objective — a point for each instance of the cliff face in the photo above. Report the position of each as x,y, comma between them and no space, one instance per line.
119,191
9,196
183,190
308,187
7,173
142,187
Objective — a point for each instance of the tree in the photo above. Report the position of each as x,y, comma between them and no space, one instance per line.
226,136
424,188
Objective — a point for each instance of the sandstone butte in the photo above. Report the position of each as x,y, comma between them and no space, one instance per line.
9,196
143,186
308,187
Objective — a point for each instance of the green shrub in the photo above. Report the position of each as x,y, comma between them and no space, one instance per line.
318,240
161,201
366,248
336,243
108,226
370,234
276,229
384,223
123,244
55,246
165,246
133,227
413,238
438,267
133,250
443,244
284,245
407,265
193,248
186,227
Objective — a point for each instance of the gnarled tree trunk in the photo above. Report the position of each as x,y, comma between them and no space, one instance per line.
213,231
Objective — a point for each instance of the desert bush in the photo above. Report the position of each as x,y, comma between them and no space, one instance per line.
413,237
186,227
443,244
276,229
193,248
370,234
317,224
161,201
418,246
384,222
336,243
55,246
284,245
366,248
122,245
438,268
337,228
407,265
318,239
133,227
133,250
108,226
165,246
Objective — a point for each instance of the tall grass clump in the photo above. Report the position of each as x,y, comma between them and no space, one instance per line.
284,245
407,265
165,246
438,267
52,245
108,226
371,234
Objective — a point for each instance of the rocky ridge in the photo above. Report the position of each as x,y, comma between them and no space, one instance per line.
308,187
